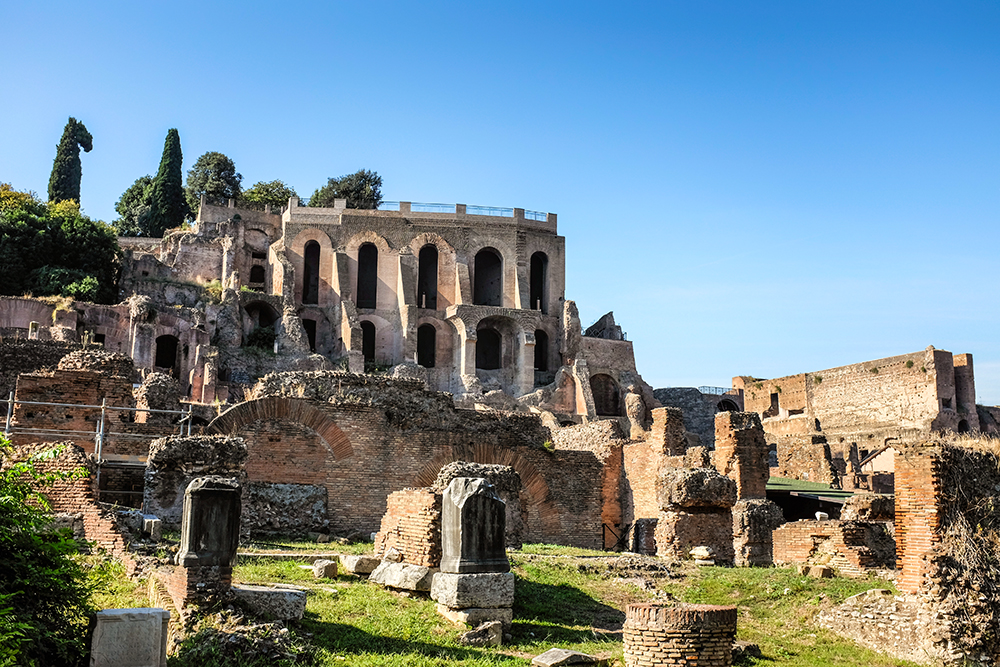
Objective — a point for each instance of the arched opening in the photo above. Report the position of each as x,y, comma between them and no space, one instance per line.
367,276
426,345
166,354
606,395
261,313
488,269
726,405
310,327
368,341
427,276
310,273
257,274
963,426
541,350
539,282
488,347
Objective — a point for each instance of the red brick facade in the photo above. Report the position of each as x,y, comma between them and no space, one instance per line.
918,513
696,635
412,526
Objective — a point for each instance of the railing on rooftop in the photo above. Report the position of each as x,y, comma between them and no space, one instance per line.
536,215
717,391
418,207
496,211
460,209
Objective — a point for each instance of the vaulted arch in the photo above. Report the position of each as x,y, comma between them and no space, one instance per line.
282,408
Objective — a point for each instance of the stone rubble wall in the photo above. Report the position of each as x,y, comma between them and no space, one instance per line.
18,356
695,510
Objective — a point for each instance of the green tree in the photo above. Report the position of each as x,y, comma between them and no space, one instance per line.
275,193
44,595
133,208
54,250
215,175
362,189
64,183
168,206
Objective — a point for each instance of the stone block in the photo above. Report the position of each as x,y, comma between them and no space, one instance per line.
282,604
403,576
820,571
153,527
210,526
130,638
475,616
324,569
489,633
487,589
473,528
701,487
359,564
557,657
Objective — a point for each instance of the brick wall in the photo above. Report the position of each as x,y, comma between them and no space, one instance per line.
412,526
686,634
741,453
918,513
844,545
28,356
78,496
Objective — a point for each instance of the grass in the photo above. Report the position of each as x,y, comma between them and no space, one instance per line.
566,597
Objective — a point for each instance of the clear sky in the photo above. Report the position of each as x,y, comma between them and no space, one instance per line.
754,188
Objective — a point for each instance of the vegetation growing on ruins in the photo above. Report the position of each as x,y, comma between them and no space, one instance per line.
213,174
275,193
67,171
362,189
53,249
44,592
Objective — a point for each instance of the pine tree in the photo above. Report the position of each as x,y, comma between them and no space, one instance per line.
169,207
66,169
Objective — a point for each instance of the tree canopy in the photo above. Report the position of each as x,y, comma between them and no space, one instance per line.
52,249
215,175
168,206
275,193
64,183
133,208
362,189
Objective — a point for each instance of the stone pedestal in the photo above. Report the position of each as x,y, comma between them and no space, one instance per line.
473,527
210,525
462,591
130,638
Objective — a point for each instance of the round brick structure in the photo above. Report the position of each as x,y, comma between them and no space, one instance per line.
696,635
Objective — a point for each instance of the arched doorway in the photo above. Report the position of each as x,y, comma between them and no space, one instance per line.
427,274
166,354
539,282
426,345
726,405
310,273
367,276
488,268
368,341
607,401
963,426
541,350
489,345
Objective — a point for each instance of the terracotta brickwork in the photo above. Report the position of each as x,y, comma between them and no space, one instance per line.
78,496
693,635
190,584
844,545
412,526
642,461
667,435
918,513
741,453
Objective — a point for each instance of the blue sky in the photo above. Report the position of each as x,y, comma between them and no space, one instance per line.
754,188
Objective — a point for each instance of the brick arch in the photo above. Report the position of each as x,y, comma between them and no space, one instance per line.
290,409
532,481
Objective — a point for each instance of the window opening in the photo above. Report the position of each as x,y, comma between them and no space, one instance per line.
489,278
310,327
541,350
367,276
488,343
427,275
539,282
368,341
310,276
426,345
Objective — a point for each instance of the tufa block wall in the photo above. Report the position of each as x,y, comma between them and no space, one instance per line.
741,452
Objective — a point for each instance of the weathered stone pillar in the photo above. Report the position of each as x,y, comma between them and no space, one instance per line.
742,454
667,435
695,510
475,585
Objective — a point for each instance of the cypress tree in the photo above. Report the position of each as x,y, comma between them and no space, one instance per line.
64,183
168,205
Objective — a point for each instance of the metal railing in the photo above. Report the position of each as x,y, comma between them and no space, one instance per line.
717,391
418,207
540,216
495,211
100,432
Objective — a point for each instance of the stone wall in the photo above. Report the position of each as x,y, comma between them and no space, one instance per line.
411,527
364,437
695,510
18,355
